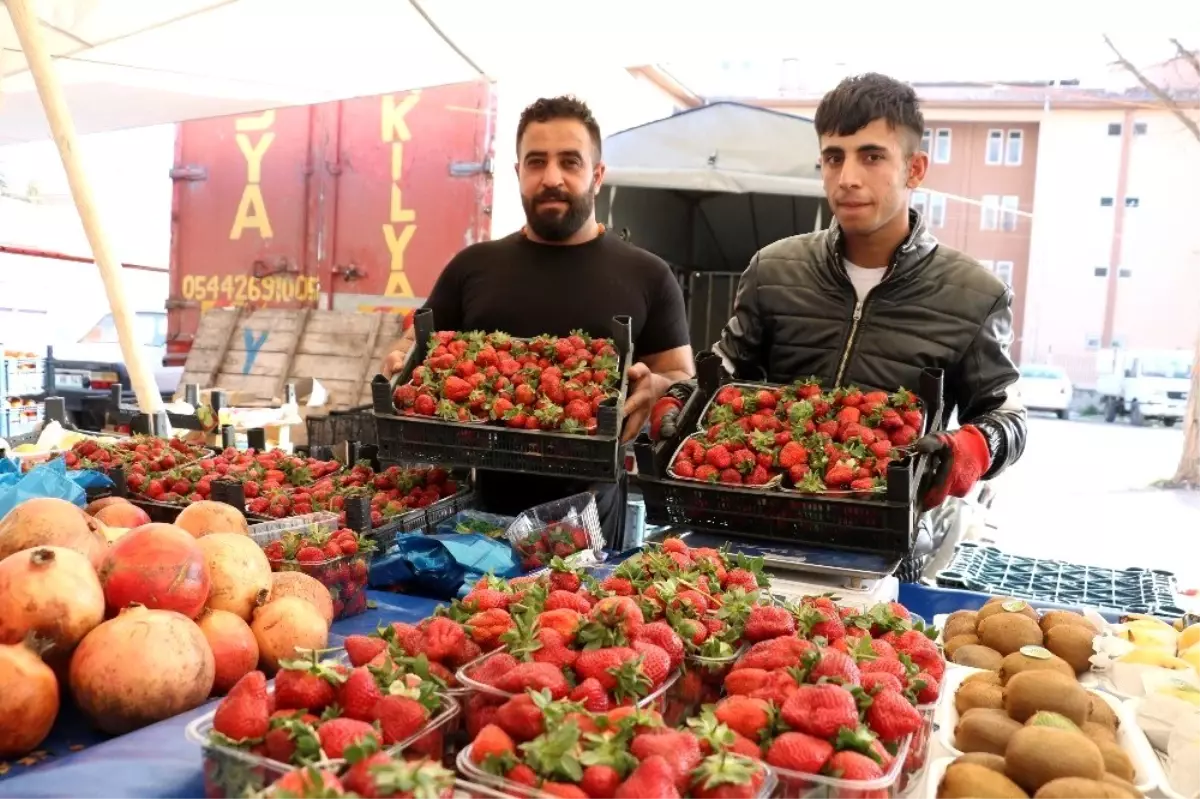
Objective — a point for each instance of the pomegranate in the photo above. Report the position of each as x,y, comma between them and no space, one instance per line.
45,521
122,514
52,592
239,570
308,588
206,516
284,626
156,565
28,702
141,667
234,647
96,504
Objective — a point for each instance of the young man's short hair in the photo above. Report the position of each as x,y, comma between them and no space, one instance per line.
860,100
567,106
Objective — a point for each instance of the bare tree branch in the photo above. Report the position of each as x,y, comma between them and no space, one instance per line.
1187,55
1159,92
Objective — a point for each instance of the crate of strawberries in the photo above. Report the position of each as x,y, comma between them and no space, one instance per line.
796,463
547,405
338,558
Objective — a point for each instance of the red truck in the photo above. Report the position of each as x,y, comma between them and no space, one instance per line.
349,205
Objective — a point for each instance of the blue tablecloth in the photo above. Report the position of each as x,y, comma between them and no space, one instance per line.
157,761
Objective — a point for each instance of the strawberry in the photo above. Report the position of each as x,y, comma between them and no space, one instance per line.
653,777
853,767
456,389
359,695
536,676
719,457
873,681
305,685
706,474
339,734
591,694
442,638
487,628
891,716
903,436
820,710
795,751
656,664
926,688
839,474
768,621
792,454
821,622
599,664
775,653
400,717
521,717
680,749
522,775
661,635
600,781
885,666
492,743
620,586
832,665
743,682
735,578
562,790
245,714
482,599
567,599
310,781
746,716
292,740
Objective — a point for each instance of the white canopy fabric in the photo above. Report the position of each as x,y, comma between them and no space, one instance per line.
724,147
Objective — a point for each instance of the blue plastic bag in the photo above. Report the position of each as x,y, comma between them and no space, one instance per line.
50,479
441,566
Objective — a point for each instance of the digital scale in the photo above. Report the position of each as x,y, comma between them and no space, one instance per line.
858,579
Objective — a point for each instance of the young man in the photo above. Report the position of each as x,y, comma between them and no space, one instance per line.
875,299
560,273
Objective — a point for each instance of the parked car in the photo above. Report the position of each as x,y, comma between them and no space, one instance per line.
86,371
1042,387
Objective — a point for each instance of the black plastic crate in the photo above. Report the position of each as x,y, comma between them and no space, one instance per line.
421,439
884,524
352,424
423,520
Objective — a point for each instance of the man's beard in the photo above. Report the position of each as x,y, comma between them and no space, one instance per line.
555,226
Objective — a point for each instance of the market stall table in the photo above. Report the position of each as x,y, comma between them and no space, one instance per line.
158,761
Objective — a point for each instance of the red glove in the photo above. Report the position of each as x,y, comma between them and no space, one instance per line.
959,459
666,405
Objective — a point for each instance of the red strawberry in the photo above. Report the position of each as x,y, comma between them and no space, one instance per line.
833,665
491,742
591,694
521,718
246,712
339,734
885,666
400,718
661,635
743,682
719,457
653,777
795,751
359,695
598,664
310,781
768,621
745,715
820,710
289,736
680,749
442,639
891,716
740,578
536,676
926,688
853,767
776,653
656,664
600,781
873,681
567,599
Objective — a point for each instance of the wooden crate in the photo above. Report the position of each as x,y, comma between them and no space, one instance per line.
259,352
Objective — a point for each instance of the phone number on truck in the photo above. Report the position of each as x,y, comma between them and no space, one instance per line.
240,289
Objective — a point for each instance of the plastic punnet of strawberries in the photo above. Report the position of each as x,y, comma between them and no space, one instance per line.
266,479
152,453
559,539
546,383
322,711
339,560
562,748
800,438
370,773
394,492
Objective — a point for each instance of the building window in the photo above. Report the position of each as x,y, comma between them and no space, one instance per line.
1092,342
926,140
1014,148
920,202
937,210
1100,271
1004,270
941,147
1106,202
1125,273
1132,202
995,148
1139,128
1008,219
989,212
1114,129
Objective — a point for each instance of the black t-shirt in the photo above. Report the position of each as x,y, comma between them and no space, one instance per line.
527,289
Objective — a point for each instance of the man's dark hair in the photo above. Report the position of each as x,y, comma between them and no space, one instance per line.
860,100
567,106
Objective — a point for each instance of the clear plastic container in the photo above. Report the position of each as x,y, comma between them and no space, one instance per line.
688,695
796,785
345,577
578,511
467,768
230,772
264,533
918,750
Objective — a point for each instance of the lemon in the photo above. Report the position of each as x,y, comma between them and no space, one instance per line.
1189,637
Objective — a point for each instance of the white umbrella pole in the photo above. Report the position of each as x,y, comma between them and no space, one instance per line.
29,33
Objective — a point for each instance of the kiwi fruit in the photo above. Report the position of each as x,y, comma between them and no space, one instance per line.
978,656
1008,632
1038,755
1055,618
1072,643
1046,718
965,639
1128,789
981,731
985,759
1033,658
1006,605
1116,762
1097,732
986,677
971,781
960,622
978,694
1100,712
1078,788
1031,691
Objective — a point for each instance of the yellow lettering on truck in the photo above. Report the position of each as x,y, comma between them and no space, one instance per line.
401,225
252,209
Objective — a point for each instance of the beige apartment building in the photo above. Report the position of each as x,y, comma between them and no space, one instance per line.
1087,202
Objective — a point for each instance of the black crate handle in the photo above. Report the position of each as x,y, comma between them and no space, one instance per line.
358,514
